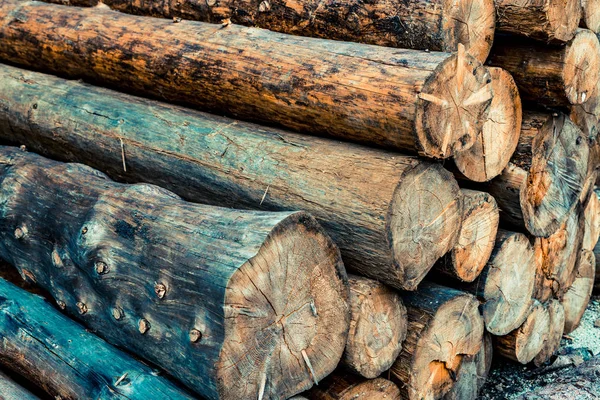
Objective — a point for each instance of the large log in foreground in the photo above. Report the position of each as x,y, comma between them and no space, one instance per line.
444,326
65,360
379,207
432,103
551,75
227,301
10,390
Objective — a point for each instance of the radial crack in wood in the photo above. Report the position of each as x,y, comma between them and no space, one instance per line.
551,345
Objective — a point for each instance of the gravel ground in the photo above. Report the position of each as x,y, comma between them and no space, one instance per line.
509,380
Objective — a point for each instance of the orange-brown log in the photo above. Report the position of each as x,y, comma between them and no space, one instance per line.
345,386
591,218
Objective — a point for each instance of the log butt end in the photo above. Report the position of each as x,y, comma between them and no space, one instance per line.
287,314
563,19
582,66
590,15
576,299
557,327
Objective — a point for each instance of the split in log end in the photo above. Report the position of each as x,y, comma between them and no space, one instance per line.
582,66
576,299
557,327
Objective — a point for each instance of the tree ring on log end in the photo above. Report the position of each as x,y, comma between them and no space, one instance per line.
286,314
581,69
471,23
499,137
509,285
453,105
563,18
531,335
556,312
575,300
424,221
556,177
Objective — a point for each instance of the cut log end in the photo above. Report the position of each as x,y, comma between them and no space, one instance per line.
587,115
563,19
509,283
582,66
425,219
557,327
287,308
591,217
377,327
499,137
470,23
453,105
576,299
590,15
343,386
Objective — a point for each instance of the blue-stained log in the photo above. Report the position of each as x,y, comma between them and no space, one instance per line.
392,215
10,390
232,303
61,357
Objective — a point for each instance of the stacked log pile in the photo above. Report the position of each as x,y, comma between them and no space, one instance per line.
460,197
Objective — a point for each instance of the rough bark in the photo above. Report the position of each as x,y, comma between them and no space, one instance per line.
556,312
10,390
591,217
590,15
546,20
426,102
475,240
377,327
195,289
64,359
576,299
444,326
344,386
378,206
551,75
524,343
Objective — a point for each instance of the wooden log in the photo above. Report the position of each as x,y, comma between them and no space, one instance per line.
591,218
556,312
436,25
546,20
590,15
546,177
506,284
473,373
65,360
444,326
475,240
576,299
379,207
10,390
499,136
377,327
587,115
524,343
344,386
551,75
227,301
431,103
596,288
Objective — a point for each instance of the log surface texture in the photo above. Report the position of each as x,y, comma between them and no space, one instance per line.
230,302
10,390
343,386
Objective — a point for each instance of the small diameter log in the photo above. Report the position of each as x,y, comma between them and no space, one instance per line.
377,327
597,262
545,20
524,343
344,386
546,177
65,360
551,345
499,137
431,103
472,373
195,289
591,217
576,299
476,238
10,390
444,326
378,206
551,75
506,284
590,15
587,115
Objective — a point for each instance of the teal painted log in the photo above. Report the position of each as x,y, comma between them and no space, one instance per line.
232,303
61,357
368,200
10,390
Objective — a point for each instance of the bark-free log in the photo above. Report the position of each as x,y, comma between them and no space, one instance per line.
377,327
472,373
10,390
65,360
444,325
433,103
556,312
546,20
590,15
524,343
476,238
546,177
551,75
379,207
227,301
576,299
344,386
591,217
587,115
438,25
506,284
596,288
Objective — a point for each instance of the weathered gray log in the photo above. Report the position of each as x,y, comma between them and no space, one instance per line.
556,312
426,102
65,360
10,390
591,217
597,262
378,206
227,301
576,299
344,386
